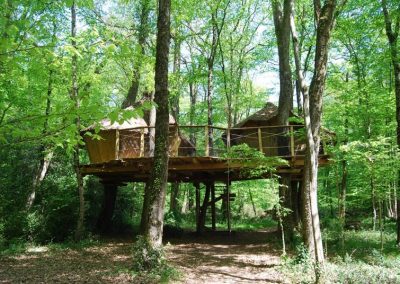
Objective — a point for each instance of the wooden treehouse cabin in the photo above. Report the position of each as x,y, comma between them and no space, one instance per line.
198,154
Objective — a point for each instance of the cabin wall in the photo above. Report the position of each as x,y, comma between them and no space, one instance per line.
102,150
274,143
129,144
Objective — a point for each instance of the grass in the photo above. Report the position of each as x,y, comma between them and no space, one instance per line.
18,246
358,260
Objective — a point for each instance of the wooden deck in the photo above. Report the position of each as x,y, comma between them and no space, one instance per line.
191,169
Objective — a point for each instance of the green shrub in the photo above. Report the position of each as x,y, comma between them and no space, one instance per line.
149,264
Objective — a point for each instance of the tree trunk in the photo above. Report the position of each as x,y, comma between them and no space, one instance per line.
46,154
203,210
104,223
193,100
282,32
173,207
143,34
392,32
324,18
74,96
155,191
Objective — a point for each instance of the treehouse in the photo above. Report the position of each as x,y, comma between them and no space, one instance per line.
131,139
262,131
198,154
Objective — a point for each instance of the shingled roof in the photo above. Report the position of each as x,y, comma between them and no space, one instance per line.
266,113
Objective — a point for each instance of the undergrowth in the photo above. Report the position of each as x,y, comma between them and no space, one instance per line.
359,261
150,265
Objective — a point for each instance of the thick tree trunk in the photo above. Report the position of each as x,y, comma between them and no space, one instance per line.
155,191
285,192
392,32
74,96
143,34
324,18
104,223
282,31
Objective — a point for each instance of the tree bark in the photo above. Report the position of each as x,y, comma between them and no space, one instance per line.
75,97
203,210
312,99
282,31
45,152
104,223
392,32
155,191
173,207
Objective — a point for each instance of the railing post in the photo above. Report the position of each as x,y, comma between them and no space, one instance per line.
116,144
228,139
207,142
141,149
292,152
260,144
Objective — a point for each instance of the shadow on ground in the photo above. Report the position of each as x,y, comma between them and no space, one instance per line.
243,257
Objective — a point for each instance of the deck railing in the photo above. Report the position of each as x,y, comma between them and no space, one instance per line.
206,140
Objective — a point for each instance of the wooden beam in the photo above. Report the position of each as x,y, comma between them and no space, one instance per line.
213,211
260,144
292,153
228,206
141,147
116,144
197,186
207,142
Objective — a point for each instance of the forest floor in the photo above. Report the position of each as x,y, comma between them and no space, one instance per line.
242,257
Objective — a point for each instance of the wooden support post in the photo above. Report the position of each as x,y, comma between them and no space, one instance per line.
292,153
197,186
228,205
141,149
228,139
116,144
260,144
213,215
207,142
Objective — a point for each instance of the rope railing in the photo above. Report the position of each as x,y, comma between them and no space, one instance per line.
213,141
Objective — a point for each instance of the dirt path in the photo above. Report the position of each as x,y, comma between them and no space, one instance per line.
239,258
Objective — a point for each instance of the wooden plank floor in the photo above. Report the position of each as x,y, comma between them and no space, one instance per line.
191,169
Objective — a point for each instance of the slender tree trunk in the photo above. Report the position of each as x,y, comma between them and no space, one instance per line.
253,205
210,89
155,191
45,152
174,198
75,97
144,28
373,200
203,209
342,193
392,32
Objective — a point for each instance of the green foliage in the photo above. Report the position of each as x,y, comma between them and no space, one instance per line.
149,264
254,162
